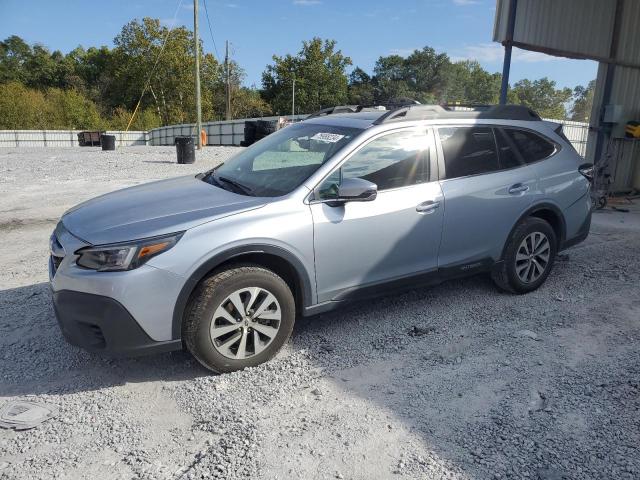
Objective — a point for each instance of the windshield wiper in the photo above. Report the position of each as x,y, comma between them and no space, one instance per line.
239,186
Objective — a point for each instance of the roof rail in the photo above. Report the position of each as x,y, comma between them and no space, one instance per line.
336,109
392,104
432,112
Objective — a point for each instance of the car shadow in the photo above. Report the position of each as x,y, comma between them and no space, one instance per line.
36,359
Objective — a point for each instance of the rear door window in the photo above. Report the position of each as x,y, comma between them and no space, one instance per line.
532,146
468,151
507,150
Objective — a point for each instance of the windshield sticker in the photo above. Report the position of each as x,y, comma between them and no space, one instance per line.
327,137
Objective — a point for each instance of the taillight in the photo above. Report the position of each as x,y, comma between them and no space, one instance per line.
586,169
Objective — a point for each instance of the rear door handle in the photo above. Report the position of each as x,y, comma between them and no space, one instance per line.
427,207
518,188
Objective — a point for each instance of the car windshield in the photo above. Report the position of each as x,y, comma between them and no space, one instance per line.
280,162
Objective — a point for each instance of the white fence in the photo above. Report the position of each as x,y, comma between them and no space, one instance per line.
576,132
64,138
218,133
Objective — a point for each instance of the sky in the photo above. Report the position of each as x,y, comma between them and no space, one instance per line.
256,30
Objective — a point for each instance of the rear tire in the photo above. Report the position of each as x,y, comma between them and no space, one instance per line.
238,318
528,257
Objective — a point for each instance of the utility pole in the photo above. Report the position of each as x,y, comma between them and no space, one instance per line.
228,80
293,97
196,42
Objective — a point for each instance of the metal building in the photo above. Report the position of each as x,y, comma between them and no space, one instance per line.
607,31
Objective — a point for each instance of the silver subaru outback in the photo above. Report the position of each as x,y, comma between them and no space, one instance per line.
336,208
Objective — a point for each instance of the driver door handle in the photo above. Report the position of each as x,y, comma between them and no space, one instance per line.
518,188
427,207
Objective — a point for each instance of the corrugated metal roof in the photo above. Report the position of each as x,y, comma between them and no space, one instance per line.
573,28
629,41
580,27
584,28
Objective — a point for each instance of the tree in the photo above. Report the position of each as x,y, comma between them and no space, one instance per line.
164,74
29,108
14,54
320,74
425,71
389,78
144,120
21,107
541,96
70,109
421,76
582,102
248,103
361,88
468,82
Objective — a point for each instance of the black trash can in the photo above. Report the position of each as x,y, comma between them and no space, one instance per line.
108,142
185,148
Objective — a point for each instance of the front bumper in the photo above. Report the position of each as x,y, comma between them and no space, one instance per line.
101,324
124,313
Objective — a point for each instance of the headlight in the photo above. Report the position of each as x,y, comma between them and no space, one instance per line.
126,255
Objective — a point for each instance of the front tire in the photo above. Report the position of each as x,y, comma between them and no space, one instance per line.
528,258
238,318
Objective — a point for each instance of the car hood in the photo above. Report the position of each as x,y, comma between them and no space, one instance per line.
152,209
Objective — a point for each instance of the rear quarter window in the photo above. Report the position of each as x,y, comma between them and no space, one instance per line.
532,146
468,151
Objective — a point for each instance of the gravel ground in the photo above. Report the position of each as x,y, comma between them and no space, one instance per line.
457,381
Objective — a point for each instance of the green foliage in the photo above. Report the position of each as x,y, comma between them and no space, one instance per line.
27,108
99,88
361,89
320,73
468,82
426,76
582,102
248,103
145,119
542,96
70,109
21,107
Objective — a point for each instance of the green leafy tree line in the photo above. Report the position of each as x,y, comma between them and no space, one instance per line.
100,87
322,80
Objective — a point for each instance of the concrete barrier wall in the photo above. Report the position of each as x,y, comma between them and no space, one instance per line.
224,132
63,138
218,133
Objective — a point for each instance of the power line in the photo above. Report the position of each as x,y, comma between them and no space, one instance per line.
206,11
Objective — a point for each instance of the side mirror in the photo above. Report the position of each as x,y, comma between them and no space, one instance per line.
354,190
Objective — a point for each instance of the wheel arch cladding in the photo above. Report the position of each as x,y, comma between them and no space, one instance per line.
282,262
547,212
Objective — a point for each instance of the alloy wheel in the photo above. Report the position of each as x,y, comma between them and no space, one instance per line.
245,323
532,257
